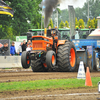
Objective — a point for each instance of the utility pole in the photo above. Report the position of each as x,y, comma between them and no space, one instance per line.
43,7
57,18
41,21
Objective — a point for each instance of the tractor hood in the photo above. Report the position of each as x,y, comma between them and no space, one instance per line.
95,34
39,37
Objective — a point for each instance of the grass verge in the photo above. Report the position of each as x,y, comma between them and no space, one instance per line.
47,84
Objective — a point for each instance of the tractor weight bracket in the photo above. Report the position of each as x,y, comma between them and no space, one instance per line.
37,55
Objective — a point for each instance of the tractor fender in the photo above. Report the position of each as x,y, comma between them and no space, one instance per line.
60,42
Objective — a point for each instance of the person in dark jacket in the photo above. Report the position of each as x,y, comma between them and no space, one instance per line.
24,46
12,49
4,49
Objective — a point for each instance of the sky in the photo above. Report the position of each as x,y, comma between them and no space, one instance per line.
75,3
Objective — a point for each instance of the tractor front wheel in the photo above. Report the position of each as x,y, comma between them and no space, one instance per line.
51,59
37,66
25,60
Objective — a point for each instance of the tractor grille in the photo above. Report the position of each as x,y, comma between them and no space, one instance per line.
37,45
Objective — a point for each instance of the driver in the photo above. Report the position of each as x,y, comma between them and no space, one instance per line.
53,34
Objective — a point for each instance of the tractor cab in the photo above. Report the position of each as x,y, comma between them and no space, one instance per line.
52,32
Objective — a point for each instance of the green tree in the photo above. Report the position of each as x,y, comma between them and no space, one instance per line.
50,23
92,24
82,13
66,24
76,22
81,23
62,24
94,8
26,15
96,23
63,16
89,23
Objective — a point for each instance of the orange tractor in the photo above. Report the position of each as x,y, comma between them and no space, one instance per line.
49,52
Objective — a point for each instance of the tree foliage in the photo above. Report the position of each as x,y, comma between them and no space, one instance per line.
89,23
96,23
82,13
76,22
81,23
66,24
63,16
94,11
26,15
50,23
62,24
92,23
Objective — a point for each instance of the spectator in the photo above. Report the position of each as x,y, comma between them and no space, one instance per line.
4,48
24,46
49,27
29,45
12,49
20,49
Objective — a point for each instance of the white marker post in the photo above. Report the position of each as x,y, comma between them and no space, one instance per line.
81,71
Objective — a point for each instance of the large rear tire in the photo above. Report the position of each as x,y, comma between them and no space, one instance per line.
25,60
37,66
66,57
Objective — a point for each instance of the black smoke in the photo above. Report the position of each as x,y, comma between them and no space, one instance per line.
49,6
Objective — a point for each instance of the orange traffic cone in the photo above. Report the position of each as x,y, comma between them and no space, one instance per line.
88,81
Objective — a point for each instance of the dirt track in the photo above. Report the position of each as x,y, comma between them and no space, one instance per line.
58,94
29,75
50,94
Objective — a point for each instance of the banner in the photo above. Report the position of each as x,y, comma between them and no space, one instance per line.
5,9
21,38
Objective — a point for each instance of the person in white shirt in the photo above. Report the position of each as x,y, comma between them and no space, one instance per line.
20,49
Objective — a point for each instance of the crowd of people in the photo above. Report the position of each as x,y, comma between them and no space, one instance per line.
24,46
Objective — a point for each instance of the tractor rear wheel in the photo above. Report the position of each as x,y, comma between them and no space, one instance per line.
25,60
66,57
37,66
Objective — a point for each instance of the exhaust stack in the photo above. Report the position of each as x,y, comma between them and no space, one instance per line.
45,32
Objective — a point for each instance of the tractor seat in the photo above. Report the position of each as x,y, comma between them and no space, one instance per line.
49,33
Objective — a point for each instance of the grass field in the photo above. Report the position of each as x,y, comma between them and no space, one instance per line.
47,84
